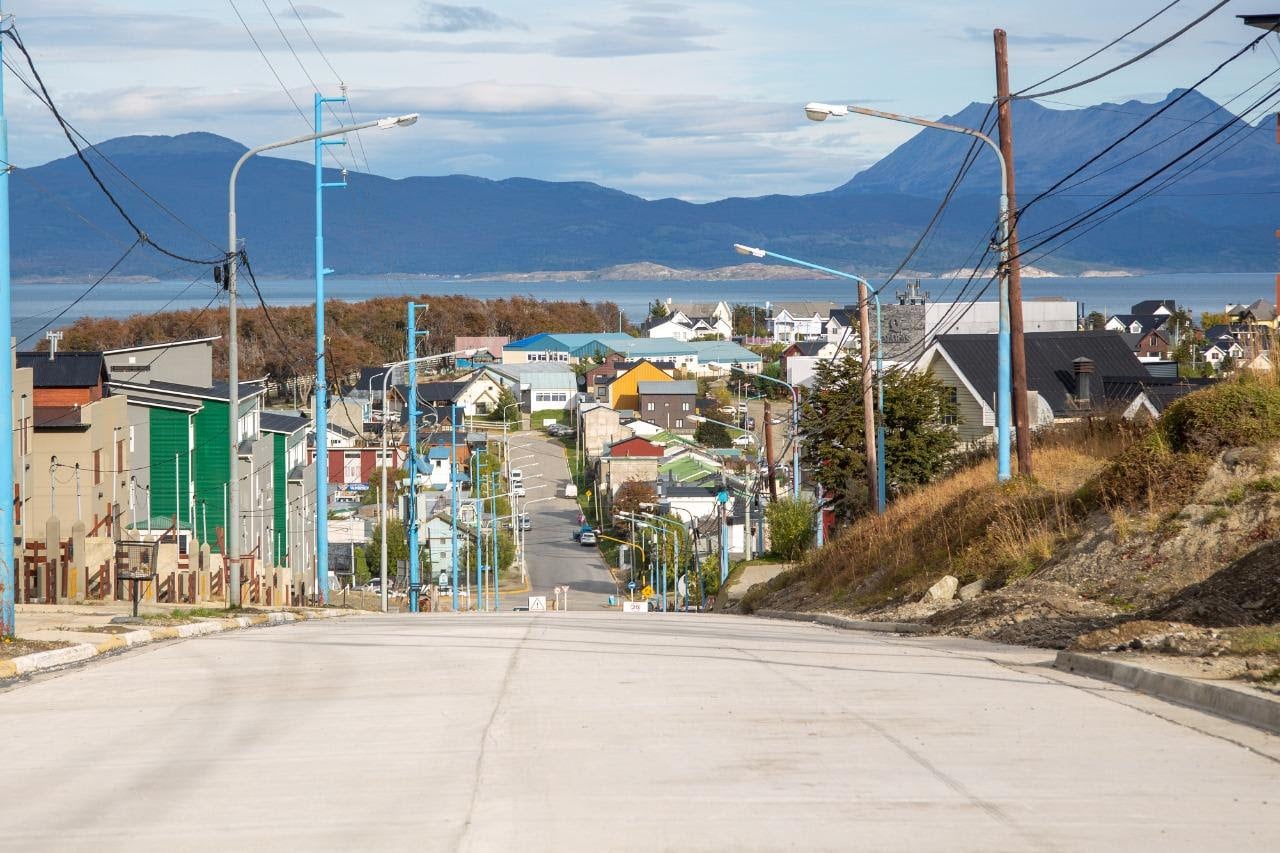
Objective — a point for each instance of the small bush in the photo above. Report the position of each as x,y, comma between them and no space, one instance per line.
1230,414
1215,514
1149,474
791,526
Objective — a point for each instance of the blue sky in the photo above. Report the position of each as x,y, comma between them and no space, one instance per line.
698,100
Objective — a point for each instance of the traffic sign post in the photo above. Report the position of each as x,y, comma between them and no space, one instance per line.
537,604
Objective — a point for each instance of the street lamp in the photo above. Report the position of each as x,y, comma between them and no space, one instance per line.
1004,351
232,540
387,373
874,295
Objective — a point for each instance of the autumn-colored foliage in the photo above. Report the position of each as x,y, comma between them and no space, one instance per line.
359,333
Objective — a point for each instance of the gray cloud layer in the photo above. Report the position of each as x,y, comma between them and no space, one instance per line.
445,18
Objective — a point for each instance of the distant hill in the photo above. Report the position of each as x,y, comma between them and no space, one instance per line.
461,225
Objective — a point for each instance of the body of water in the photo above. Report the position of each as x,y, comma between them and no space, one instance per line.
36,305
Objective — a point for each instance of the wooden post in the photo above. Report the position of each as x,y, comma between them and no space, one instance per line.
768,450
868,397
1018,352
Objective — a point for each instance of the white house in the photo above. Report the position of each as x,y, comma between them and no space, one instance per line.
539,386
692,321
789,322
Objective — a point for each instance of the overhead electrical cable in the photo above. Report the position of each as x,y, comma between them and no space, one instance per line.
74,302
1141,56
341,82
48,101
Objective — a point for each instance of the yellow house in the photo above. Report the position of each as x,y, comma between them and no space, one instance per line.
624,392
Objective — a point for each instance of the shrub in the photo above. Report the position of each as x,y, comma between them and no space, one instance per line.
1231,414
791,524
1148,474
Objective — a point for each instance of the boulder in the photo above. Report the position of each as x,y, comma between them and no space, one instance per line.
970,591
943,590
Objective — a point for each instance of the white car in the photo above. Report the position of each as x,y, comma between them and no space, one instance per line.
744,440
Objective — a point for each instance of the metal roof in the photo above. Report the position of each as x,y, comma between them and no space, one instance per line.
287,424
671,386
65,369
724,351
1049,363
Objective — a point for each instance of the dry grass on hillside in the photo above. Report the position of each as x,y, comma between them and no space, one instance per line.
966,525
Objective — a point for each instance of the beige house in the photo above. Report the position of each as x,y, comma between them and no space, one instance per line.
598,427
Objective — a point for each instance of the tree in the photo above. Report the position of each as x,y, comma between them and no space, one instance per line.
394,486
1209,319
658,309
749,320
630,496
397,544
919,441
791,526
711,434
1095,322
506,409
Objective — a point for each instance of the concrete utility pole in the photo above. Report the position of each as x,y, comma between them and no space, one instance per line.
868,400
1269,22
1017,353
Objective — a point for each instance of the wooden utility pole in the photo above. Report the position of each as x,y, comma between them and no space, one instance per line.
768,450
1018,353
868,398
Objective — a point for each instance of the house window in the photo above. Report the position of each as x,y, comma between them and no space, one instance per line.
679,424
684,407
97,467
648,407
953,398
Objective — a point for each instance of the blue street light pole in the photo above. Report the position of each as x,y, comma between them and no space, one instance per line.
411,435
453,499
881,491
8,574
321,386
1004,337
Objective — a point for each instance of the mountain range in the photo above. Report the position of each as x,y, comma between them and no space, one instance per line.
1219,216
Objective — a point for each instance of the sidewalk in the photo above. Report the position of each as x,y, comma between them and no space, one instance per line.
69,633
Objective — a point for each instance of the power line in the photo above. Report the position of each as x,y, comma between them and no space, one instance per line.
1134,130
341,83
306,74
1077,221
86,292
1100,50
47,100
1126,63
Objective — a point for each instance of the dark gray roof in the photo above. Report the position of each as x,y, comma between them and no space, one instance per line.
65,369
809,348
179,405
1049,363
287,424
1150,306
217,391
371,377
679,387
1148,322
1161,391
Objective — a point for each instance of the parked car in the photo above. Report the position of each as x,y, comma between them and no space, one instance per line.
743,440
518,489
526,521
587,538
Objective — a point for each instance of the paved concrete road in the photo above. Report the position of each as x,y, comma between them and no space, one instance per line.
606,731
554,558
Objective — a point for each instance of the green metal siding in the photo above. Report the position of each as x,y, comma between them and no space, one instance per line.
170,445
281,494
213,465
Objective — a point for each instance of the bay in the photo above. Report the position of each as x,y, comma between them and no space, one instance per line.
38,305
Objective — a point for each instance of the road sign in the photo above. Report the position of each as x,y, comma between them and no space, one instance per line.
647,592
537,604
635,607
631,584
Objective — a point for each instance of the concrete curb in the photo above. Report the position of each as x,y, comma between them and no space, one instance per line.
1257,711
832,621
37,661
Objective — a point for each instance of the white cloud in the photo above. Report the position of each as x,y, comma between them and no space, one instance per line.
446,18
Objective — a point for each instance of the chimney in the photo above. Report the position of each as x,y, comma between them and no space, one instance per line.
1083,369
